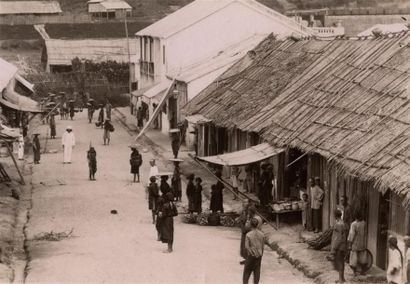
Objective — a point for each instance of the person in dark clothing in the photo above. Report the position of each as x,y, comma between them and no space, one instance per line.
140,117
36,148
265,185
249,212
198,195
167,214
217,195
135,162
52,126
153,194
190,193
100,122
175,144
176,182
164,187
92,162
90,109
71,109
158,221
108,128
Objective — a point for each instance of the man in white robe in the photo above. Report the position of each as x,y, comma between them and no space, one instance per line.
68,141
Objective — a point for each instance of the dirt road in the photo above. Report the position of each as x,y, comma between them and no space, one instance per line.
121,248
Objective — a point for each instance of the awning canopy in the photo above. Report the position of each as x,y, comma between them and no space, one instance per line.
243,157
25,83
197,119
16,101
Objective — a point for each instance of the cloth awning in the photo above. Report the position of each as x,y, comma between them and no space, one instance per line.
16,101
197,119
243,157
25,83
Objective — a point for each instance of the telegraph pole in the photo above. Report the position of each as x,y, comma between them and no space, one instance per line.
129,58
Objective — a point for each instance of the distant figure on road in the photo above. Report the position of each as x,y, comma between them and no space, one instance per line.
100,122
135,162
217,195
140,118
92,162
153,194
190,193
52,126
167,214
90,109
72,109
198,195
68,141
254,244
176,183
108,128
36,148
108,108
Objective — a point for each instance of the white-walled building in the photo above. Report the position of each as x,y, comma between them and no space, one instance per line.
198,32
109,9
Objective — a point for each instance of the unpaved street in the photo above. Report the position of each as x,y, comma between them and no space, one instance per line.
122,248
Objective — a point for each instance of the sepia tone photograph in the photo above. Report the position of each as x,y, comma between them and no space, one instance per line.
204,141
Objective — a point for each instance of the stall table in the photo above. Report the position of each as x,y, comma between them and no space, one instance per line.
278,213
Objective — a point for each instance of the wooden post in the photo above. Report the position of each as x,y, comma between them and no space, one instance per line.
15,163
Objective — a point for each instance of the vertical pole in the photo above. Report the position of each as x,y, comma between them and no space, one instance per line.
129,58
15,162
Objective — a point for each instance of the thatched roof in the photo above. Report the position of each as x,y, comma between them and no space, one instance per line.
348,100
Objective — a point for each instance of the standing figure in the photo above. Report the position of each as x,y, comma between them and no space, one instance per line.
36,148
52,126
395,265
92,162
158,221
90,109
316,197
217,195
175,143
20,153
153,170
153,194
108,108
339,245
357,244
108,127
248,213
136,162
248,184
176,182
198,195
265,185
190,193
164,186
255,242
68,142
344,207
71,109
140,118
235,171
167,214
100,122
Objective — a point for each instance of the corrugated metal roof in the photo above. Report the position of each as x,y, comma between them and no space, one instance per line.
29,7
347,100
222,59
200,9
61,52
8,71
385,29
244,157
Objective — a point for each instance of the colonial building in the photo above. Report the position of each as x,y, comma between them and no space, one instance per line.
203,30
336,110
109,9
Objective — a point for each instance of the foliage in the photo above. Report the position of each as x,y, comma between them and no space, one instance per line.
113,71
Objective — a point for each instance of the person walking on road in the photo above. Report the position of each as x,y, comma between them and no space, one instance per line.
68,142
357,244
90,110
36,148
108,108
190,193
167,213
254,244
153,194
72,109
164,186
53,132
153,171
92,162
100,122
108,128
136,162
176,183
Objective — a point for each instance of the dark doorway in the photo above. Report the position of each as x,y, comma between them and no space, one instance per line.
382,229
296,173
173,109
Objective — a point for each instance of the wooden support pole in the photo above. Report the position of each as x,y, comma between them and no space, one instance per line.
15,162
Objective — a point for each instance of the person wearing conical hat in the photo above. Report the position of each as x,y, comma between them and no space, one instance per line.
135,162
108,127
53,131
68,142
36,148
92,162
